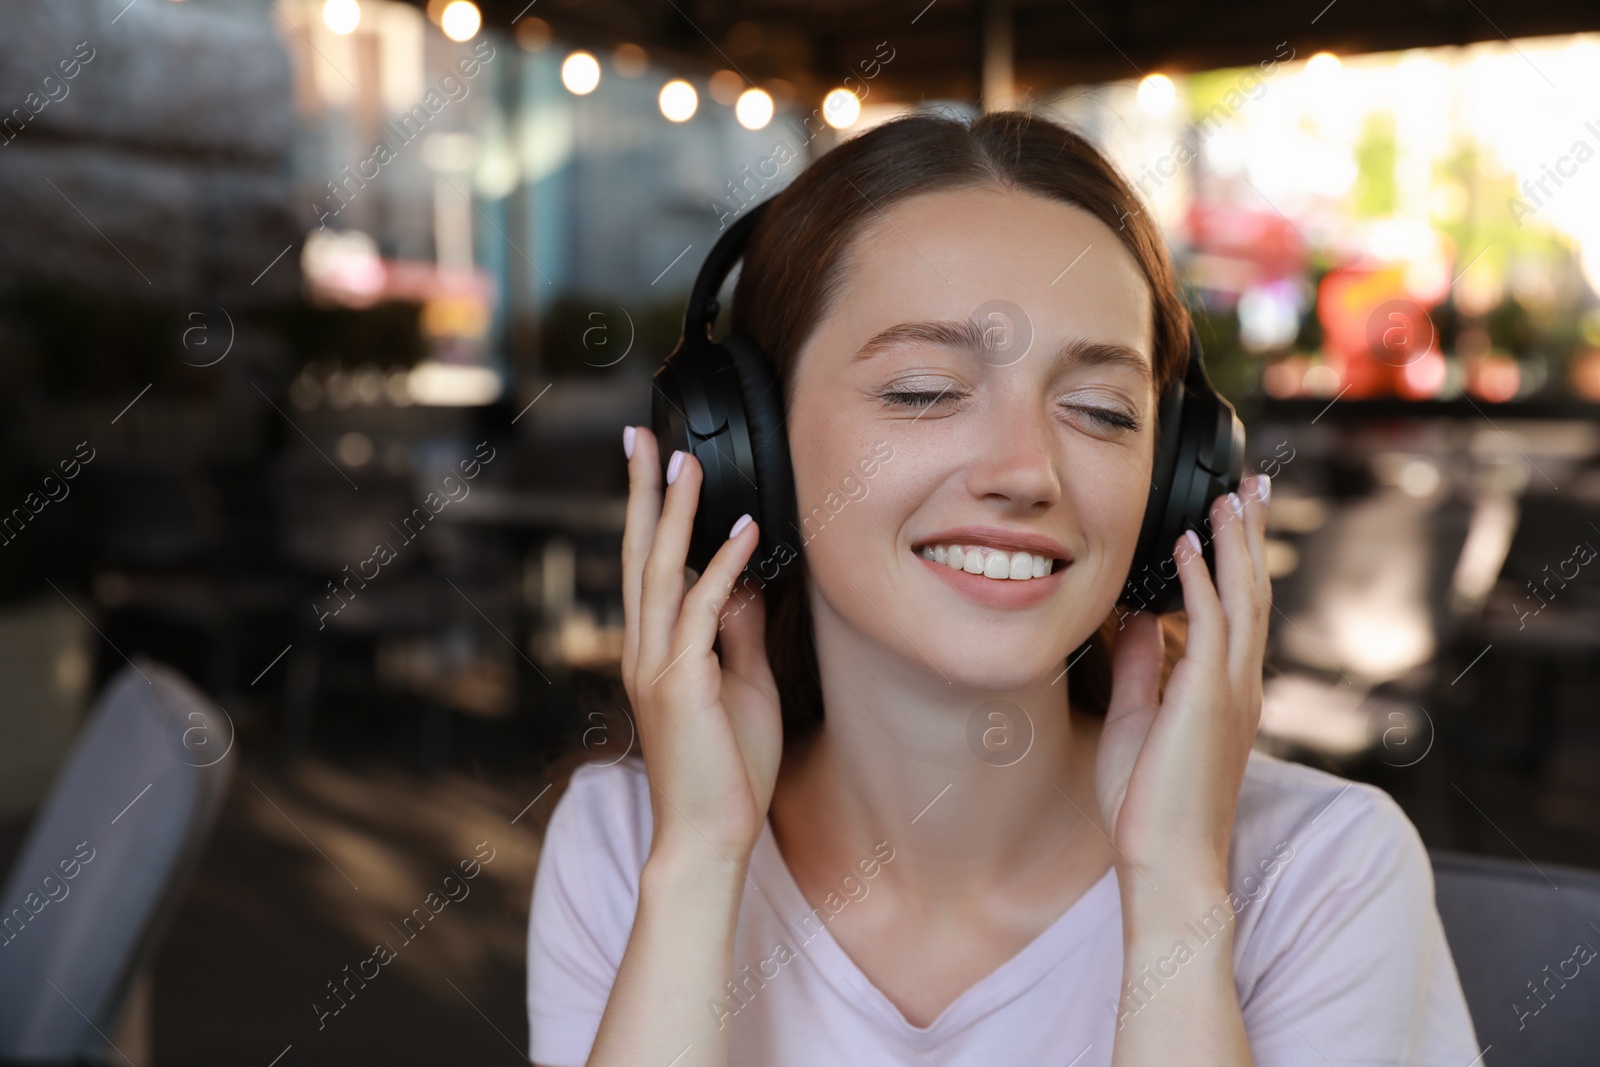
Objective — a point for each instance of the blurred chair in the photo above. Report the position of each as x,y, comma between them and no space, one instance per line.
106,860
1525,941
327,531
157,534
156,516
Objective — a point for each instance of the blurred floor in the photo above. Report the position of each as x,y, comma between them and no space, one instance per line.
310,866
308,870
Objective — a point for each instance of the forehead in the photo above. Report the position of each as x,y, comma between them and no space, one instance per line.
948,254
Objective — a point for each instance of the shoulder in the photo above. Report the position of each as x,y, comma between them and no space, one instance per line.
1296,795
1326,839
604,817
586,888
1334,898
585,896
611,787
1290,801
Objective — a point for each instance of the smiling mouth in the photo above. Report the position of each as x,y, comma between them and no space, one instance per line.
994,563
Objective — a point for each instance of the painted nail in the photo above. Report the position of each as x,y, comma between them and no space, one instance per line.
744,520
1236,504
674,465
1194,540
627,441
1266,488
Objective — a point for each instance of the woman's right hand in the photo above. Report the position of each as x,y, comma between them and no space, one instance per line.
711,732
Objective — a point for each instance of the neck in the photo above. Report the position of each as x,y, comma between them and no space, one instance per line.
947,776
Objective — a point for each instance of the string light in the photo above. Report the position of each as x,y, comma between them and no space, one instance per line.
754,109
678,100
580,73
341,16
460,20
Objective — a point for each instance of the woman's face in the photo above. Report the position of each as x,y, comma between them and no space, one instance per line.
1036,329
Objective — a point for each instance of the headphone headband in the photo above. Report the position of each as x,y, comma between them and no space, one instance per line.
701,314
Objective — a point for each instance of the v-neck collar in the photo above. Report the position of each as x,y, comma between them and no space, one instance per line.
1082,918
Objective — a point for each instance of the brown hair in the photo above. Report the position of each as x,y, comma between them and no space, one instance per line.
794,266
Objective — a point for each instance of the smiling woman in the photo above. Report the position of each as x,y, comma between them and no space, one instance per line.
1081,902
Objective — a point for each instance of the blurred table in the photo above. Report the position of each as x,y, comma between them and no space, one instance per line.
566,512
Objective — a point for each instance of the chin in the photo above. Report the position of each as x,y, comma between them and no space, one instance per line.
1009,678
985,654
992,649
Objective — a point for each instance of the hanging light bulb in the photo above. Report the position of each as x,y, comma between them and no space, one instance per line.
341,16
754,109
460,20
580,73
1157,94
841,108
678,100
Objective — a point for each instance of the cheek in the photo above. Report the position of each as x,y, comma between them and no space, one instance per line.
1107,491
830,491
825,444
847,520
850,550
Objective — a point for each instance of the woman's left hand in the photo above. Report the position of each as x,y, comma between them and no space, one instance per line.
1169,766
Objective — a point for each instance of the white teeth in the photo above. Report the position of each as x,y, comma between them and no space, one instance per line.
991,563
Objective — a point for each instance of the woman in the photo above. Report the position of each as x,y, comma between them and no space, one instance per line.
820,858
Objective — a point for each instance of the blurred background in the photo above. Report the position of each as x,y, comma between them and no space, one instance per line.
319,322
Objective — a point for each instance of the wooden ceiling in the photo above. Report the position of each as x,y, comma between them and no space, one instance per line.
814,44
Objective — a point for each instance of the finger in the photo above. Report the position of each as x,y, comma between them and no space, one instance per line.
1255,491
1235,584
1207,639
638,533
1136,663
1256,495
703,606
662,591
743,632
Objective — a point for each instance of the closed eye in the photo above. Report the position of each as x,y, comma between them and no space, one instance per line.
917,398
1106,416
923,400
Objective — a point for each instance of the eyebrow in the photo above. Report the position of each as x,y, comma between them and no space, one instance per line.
969,336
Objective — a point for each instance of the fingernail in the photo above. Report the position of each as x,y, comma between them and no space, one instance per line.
627,441
1236,504
674,465
1266,488
1194,540
744,520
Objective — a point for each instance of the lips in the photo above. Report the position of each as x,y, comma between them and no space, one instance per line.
1003,539
992,592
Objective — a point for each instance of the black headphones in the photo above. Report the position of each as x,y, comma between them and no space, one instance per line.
721,402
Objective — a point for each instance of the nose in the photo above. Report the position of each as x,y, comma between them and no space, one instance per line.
1016,467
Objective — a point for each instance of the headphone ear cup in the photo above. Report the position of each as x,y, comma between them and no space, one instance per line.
769,450
1151,575
1202,457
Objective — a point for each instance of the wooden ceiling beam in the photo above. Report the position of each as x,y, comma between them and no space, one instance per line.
813,45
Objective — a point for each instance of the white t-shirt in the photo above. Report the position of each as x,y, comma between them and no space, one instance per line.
1339,956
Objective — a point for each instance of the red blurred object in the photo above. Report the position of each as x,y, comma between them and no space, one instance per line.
1586,373
1263,244
1495,378
423,280
1379,340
